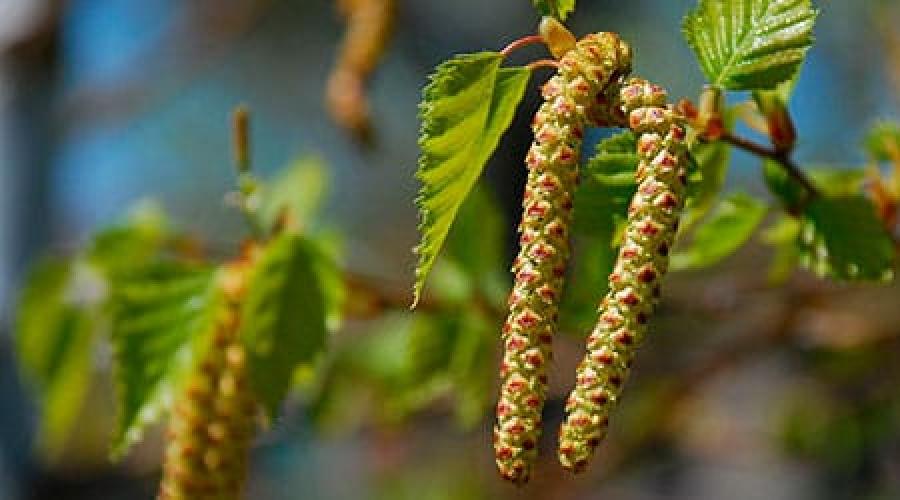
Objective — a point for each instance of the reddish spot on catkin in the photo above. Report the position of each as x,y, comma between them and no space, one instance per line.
634,286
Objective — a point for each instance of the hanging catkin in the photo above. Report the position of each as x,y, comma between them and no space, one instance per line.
369,27
570,103
634,284
213,420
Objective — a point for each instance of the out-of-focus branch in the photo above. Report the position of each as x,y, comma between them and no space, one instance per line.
369,28
782,157
368,300
707,120
668,407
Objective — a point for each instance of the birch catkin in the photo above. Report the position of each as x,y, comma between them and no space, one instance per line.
213,420
634,284
570,103
369,28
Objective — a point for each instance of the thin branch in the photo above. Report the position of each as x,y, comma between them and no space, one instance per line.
781,157
522,42
543,63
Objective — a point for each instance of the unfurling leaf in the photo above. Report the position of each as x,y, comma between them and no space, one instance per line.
750,44
283,316
468,104
728,227
773,108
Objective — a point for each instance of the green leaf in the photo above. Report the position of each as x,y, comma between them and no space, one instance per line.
782,235
883,141
123,247
466,107
482,265
472,367
559,9
283,316
159,314
838,181
729,226
711,159
378,368
750,44
830,181
331,277
842,237
64,307
408,362
55,326
790,192
607,186
601,204
293,196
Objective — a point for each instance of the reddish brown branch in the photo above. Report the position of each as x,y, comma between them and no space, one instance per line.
521,42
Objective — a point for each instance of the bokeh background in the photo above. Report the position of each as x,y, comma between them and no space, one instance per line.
747,391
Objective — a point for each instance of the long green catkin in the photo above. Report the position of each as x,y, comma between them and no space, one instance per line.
634,284
213,420
570,102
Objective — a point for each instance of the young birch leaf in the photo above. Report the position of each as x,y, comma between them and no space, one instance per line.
42,317
466,107
63,308
750,44
283,316
157,316
294,196
55,326
559,9
842,237
729,226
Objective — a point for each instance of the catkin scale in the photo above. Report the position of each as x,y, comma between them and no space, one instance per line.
634,284
213,420
570,103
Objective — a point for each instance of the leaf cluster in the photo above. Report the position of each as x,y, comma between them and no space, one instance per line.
145,288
